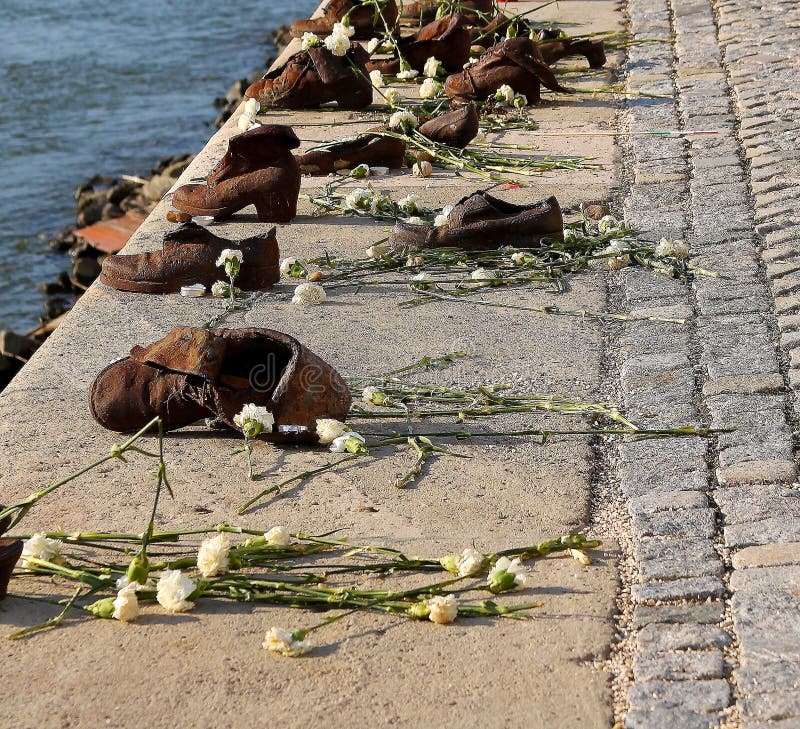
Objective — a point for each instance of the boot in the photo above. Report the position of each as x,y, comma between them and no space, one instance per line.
189,256
315,77
516,62
258,169
362,19
481,222
447,40
197,373
372,149
593,50
455,128
10,551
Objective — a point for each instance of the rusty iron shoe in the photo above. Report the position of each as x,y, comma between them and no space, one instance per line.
593,50
258,169
456,128
189,256
374,150
516,62
361,16
315,77
197,373
481,222
446,39
10,551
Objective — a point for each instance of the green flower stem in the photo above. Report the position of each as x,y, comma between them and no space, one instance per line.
300,477
555,310
52,623
20,509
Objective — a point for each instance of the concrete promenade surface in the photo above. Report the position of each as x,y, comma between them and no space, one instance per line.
689,616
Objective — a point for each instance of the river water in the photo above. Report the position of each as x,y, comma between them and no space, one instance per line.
96,87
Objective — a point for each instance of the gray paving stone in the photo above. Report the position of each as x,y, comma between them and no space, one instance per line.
689,588
660,718
658,638
705,612
683,523
771,706
768,676
693,696
667,501
679,666
765,531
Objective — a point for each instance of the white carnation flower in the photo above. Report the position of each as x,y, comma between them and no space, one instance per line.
41,547
372,46
376,78
607,224
407,74
469,562
409,204
286,265
329,429
518,258
415,220
443,609
359,172
429,89
378,250
422,169
505,94
483,275
278,536
379,203
615,262
309,40
392,97
368,394
422,281
220,289
126,604
309,294
522,575
228,255
431,67
337,44
345,29
667,248
281,641
253,414
213,555
358,199
246,121
570,236
520,101
252,106
403,119
350,442
173,591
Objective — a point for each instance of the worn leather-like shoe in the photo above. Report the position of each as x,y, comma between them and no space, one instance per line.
189,256
10,551
481,221
516,62
456,128
315,77
593,50
372,149
195,373
362,18
258,169
446,39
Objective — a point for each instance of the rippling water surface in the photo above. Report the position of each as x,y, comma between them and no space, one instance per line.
105,88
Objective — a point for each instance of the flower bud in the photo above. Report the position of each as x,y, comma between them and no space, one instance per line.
360,172
419,610
501,581
138,569
251,429
450,563
103,608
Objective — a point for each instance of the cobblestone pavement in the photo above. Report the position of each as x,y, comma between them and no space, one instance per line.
715,582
